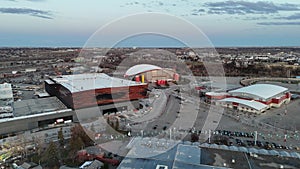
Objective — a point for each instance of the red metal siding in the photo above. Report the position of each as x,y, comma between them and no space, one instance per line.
88,98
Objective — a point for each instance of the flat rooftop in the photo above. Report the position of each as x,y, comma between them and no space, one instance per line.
152,152
90,81
37,106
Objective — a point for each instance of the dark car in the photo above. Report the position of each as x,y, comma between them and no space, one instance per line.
259,144
165,127
268,146
250,143
274,145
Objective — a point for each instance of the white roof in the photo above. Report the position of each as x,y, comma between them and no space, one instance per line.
250,103
140,69
216,93
90,81
263,91
6,91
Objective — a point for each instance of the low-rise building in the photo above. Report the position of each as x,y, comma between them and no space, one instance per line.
255,98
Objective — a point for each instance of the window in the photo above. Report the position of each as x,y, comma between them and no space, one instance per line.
108,96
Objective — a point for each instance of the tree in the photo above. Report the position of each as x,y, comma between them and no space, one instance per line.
117,125
61,138
79,132
51,156
76,144
194,137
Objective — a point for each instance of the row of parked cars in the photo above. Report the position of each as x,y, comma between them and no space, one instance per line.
261,144
264,144
234,134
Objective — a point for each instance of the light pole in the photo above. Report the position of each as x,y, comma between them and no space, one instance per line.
255,137
209,135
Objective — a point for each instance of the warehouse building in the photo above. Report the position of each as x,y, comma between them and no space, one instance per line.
81,91
152,74
254,98
36,114
271,95
95,89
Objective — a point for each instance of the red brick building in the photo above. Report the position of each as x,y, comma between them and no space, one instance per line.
87,90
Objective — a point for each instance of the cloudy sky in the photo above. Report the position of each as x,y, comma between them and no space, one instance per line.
226,23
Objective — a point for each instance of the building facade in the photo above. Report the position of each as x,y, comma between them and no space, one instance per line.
87,90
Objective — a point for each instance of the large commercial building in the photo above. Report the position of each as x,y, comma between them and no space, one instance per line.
152,74
92,89
81,91
255,98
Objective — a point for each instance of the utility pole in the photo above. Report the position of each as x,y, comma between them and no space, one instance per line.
255,137
285,136
209,135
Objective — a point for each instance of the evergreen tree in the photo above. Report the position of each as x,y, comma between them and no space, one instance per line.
61,138
51,156
79,132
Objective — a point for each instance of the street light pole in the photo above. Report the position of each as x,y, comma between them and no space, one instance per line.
209,135
255,137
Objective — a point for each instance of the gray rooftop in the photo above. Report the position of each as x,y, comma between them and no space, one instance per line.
177,156
263,91
37,106
90,81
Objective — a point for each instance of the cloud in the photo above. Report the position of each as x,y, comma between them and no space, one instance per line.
295,16
245,7
198,12
27,11
254,18
278,23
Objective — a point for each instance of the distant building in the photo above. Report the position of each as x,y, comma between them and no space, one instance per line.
152,74
254,98
6,100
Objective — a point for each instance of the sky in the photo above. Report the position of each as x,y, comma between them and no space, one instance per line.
226,23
